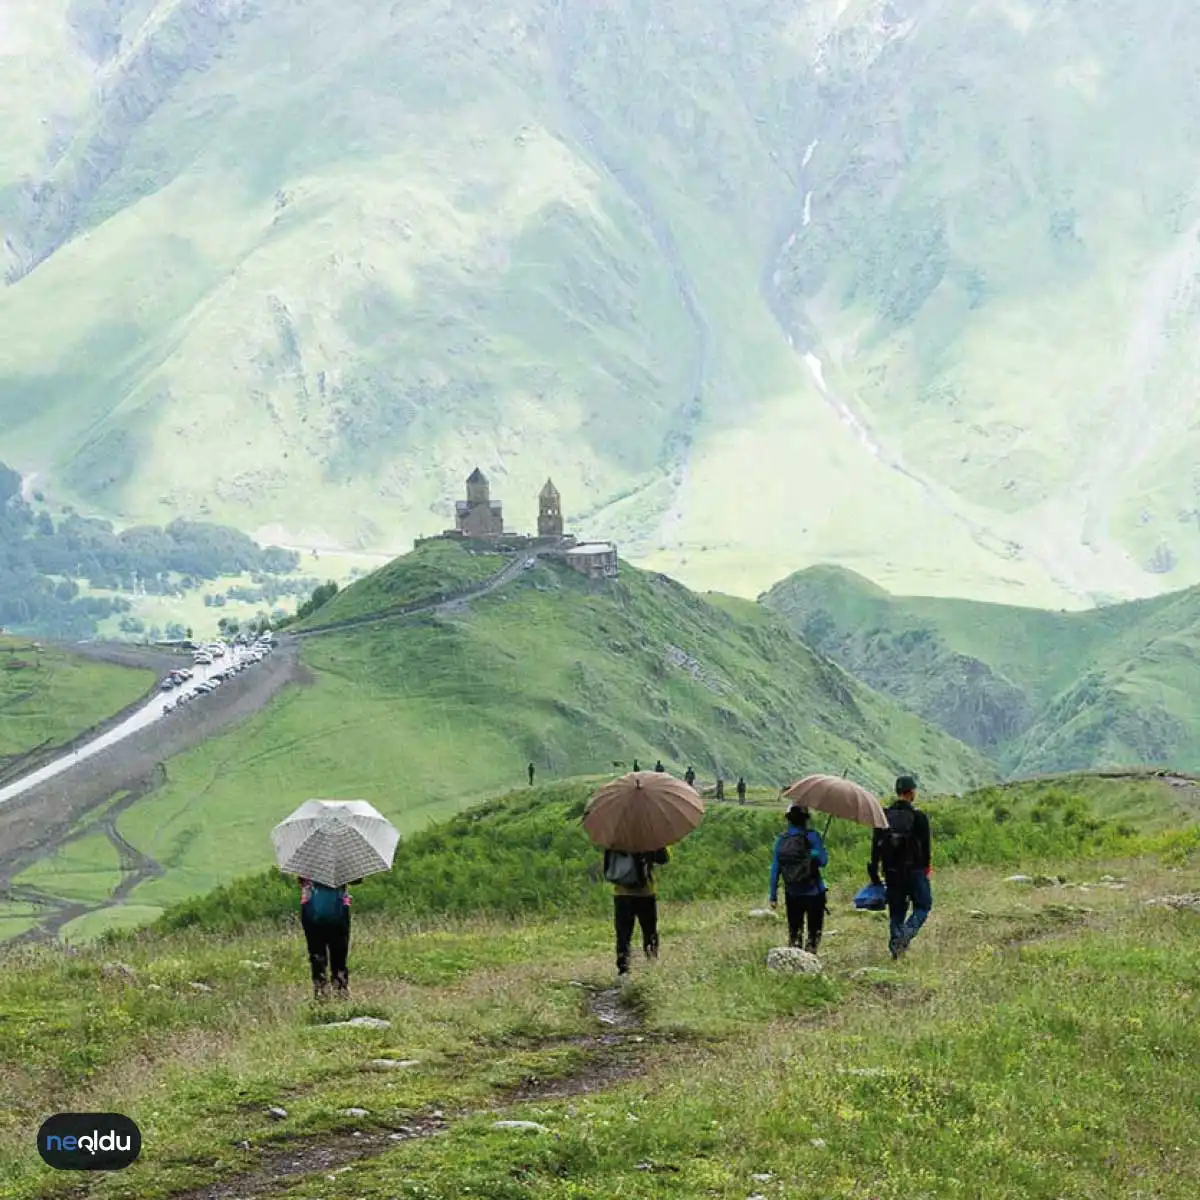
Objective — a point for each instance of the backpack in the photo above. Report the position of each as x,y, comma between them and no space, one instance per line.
899,850
796,863
622,869
326,905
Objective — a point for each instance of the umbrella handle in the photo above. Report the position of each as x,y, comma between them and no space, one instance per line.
828,822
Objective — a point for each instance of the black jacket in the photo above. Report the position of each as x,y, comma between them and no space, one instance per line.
920,832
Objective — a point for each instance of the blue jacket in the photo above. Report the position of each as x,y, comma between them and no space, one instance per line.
818,852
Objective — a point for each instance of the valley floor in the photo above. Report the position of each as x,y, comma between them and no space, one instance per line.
1036,1043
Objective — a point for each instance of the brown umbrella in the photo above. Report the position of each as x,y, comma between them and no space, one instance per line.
642,811
839,798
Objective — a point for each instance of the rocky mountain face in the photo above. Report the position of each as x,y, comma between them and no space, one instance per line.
907,285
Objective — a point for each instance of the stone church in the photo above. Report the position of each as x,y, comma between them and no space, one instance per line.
477,516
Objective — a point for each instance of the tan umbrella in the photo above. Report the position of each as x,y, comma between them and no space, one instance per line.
838,798
642,811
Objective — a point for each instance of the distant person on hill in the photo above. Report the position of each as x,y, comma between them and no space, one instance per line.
325,919
720,789
658,766
634,900
531,774
741,790
689,777
636,765
904,852
798,858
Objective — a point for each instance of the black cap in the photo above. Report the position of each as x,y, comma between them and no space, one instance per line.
905,783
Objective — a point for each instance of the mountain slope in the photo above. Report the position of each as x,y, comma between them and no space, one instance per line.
1040,691
425,715
300,267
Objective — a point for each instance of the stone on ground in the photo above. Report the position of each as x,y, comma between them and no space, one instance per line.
531,1126
359,1023
793,960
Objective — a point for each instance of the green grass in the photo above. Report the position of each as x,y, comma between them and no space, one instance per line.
1030,1046
434,569
596,233
94,925
88,868
427,716
527,853
57,695
1038,691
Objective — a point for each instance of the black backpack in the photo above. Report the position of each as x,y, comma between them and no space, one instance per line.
796,863
900,851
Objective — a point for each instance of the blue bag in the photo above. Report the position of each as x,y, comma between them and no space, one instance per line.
873,897
326,905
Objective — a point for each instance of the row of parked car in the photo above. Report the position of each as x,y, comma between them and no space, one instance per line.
244,655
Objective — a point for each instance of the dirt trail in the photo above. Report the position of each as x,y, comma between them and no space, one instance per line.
278,1169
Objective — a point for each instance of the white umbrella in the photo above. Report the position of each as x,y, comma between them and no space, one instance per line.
335,841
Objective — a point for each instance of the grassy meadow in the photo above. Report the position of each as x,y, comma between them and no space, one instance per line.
57,695
426,716
1033,1045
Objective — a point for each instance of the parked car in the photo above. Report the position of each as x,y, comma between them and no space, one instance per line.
166,685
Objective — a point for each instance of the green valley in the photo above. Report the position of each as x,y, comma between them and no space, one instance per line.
870,283
1035,690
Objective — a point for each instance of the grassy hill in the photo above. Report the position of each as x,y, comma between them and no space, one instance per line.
427,715
665,251
48,696
1039,691
697,1076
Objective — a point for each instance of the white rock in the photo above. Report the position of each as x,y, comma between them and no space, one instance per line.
201,987
113,969
280,1114
393,1064
531,1126
763,1177
359,1023
1019,879
763,912
817,1143
793,960
355,1112
257,966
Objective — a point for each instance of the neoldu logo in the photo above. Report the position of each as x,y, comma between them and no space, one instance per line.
89,1142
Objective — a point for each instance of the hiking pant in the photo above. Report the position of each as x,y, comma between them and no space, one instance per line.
798,909
628,910
328,945
903,889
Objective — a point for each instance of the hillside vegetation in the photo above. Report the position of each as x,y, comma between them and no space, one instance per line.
1029,1047
48,695
667,250
429,714
1037,691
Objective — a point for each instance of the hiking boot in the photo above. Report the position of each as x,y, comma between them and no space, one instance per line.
320,992
812,948
899,947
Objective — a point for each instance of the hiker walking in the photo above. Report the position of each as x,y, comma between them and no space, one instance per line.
720,789
325,919
903,851
636,767
798,858
741,790
634,900
658,766
689,777
531,774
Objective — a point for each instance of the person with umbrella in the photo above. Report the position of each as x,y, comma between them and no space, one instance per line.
798,857
741,790
635,818
904,852
329,843
689,777
325,919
